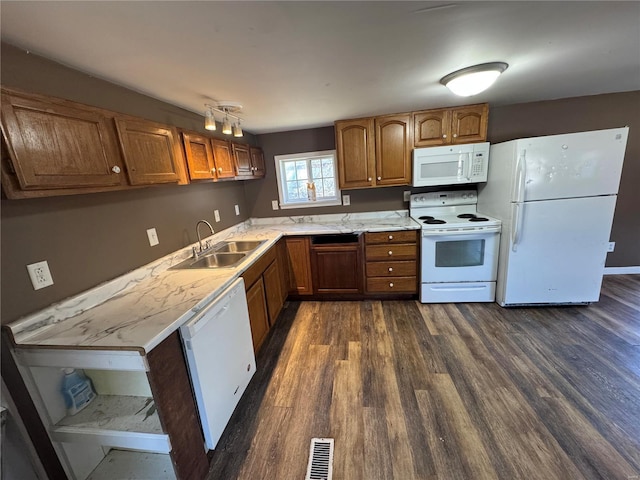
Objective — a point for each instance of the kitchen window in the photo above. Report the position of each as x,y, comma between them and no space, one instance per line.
307,179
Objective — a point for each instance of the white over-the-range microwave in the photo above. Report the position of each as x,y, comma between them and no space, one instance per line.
450,165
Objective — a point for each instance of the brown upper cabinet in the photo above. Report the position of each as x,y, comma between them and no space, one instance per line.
207,158
223,158
355,147
151,152
394,140
53,146
249,161
446,126
57,145
242,159
257,162
374,151
199,153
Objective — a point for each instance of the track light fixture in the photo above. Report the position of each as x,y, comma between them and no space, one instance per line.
228,109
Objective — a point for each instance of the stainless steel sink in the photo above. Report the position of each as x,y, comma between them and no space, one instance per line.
239,246
212,260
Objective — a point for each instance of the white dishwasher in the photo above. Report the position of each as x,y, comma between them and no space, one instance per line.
219,350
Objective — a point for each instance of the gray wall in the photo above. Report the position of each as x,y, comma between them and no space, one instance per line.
505,123
89,239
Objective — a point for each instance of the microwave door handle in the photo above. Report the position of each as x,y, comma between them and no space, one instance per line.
469,162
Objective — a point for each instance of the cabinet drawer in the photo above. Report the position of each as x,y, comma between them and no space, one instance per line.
402,236
392,285
391,252
392,269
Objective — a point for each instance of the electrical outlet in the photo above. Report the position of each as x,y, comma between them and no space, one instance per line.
40,275
216,215
237,209
611,246
153,237
407,195
346,199
274,204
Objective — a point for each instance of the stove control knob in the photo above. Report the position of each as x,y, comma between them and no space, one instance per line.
464,196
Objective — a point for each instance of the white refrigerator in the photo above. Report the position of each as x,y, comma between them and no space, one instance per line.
555,196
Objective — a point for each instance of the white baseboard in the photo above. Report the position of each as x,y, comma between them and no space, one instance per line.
621,270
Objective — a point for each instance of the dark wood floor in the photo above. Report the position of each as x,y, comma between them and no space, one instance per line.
453,391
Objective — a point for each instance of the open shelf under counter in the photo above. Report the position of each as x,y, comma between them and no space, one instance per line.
116,420
127,465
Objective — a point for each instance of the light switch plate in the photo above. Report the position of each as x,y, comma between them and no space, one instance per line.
346,199
407,195
237,209
274,204
611,246
216,215
153,237
40,275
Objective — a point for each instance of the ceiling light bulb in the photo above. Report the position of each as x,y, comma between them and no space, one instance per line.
237,130
473,80
226,126
209,120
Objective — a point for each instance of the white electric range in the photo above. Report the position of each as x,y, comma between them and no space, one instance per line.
459,247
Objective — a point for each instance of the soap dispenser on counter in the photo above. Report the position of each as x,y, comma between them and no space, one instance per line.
77,390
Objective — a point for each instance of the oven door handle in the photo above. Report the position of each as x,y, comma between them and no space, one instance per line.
451,233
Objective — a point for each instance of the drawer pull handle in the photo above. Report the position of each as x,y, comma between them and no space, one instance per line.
369,179
390,269
390,253
390,237
391,285
115,169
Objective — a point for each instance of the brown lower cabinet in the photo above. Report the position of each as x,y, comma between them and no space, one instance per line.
387,263
258,315
299,266
336,267
266,293
391,262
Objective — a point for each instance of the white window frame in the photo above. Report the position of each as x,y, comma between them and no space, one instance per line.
308,156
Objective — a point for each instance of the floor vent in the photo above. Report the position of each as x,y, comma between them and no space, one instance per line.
320,459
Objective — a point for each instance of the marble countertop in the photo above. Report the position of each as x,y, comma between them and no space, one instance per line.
140,309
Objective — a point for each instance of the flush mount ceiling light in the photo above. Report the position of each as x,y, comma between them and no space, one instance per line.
228,109
473,80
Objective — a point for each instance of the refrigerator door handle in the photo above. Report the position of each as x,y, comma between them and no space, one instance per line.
521,176
515,228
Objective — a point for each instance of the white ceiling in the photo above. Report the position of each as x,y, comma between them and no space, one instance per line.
302,64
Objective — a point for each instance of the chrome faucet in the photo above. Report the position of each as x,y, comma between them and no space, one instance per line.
198,232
